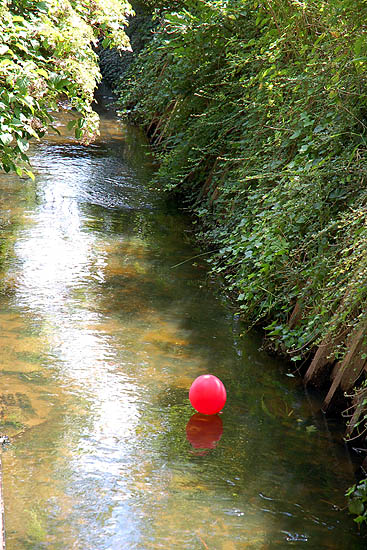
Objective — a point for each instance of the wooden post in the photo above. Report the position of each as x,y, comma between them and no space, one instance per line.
350,368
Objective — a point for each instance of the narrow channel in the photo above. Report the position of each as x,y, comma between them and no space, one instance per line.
101,338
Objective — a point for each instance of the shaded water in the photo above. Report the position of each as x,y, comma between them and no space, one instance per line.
101,339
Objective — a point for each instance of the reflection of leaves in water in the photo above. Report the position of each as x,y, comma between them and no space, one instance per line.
36,529
37,377
23,408
311,429
11,426
24,402
275,407
29,356
16,409
15,400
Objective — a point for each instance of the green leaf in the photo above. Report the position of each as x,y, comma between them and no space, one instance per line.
5,62
42,72
71,124
59,82
296,134
311,429
356,507
6,139
30,174
42,7
56,130
358,44
106,43
23,145
360,519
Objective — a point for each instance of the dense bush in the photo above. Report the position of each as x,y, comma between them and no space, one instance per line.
258,112
46,50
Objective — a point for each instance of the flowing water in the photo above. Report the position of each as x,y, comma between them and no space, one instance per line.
101,338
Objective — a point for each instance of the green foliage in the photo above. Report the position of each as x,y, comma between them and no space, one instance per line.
357,501
46,52
258,113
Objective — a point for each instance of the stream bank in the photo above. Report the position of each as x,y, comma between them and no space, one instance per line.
244,108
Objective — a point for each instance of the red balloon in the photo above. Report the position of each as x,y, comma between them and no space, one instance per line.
207,394
203,431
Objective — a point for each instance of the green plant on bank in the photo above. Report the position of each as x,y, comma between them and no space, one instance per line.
257,111
258,114
357,501
47,52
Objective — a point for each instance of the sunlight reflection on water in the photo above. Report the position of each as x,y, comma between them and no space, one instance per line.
101,340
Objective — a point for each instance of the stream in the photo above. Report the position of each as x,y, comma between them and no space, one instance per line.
102,334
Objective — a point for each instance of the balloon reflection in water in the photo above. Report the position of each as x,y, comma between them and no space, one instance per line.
203,431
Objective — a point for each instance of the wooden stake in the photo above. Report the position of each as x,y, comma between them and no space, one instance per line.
349,368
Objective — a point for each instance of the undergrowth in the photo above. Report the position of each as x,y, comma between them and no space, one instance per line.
257,112
260,112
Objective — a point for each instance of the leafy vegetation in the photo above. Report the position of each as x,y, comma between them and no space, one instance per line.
257,111
258,115
357,501
46,52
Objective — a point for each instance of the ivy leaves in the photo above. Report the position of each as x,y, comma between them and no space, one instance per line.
357,501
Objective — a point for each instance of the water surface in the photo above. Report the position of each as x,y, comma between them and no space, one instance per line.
101,338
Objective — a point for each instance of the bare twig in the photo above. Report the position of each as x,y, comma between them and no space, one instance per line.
193,258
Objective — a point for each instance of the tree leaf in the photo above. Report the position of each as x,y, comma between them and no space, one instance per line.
6,139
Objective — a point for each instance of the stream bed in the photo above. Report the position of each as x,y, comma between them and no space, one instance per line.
102,334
